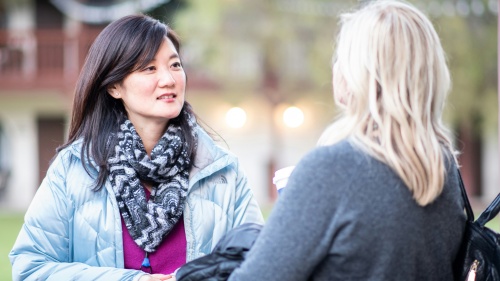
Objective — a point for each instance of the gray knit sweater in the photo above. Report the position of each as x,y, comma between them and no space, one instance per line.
346,216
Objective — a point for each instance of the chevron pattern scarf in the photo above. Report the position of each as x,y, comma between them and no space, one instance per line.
167,170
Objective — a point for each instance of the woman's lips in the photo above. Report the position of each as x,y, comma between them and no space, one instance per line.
166,97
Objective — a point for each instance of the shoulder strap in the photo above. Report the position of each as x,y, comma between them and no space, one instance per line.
468,209
490,212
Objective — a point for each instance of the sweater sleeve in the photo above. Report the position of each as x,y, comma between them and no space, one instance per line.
42,250
298,233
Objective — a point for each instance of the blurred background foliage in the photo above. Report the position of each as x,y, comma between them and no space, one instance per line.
284,49
471,46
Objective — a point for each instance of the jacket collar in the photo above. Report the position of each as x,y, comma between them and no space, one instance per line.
209,159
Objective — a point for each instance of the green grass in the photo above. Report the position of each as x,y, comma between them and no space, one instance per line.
11,224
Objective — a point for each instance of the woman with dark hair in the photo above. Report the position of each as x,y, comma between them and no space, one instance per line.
139,188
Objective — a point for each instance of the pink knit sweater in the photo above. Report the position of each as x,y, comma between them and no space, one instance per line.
170,255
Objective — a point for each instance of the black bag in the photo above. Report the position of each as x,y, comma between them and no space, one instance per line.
227,255
479,255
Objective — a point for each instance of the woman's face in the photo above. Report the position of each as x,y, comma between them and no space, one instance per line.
156,92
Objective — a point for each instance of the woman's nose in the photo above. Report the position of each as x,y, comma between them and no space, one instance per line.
166,79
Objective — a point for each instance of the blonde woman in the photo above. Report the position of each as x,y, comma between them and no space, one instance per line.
379,199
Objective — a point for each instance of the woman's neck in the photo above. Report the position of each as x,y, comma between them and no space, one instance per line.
150,135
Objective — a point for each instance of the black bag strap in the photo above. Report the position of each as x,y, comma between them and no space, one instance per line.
491,211
468,208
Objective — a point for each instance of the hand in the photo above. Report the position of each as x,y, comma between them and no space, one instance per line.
170,278
157,277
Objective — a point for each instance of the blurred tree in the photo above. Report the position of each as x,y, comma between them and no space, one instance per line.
166,12
471,45
287,45
282,49
272,47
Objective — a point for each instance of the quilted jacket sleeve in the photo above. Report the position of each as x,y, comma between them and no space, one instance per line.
42,250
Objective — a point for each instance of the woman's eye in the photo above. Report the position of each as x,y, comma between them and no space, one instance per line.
150,68
176,65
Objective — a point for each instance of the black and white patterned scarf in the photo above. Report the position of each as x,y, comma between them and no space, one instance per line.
167,170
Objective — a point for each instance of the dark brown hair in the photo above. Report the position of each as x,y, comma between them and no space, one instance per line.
122,47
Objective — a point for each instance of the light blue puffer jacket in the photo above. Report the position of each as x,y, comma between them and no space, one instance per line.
73,233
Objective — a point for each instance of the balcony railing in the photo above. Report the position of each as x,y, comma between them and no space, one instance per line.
42,59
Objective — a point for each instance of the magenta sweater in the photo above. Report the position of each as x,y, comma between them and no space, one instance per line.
170,255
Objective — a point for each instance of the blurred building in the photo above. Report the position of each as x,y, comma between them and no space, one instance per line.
43,44
40,52
42,48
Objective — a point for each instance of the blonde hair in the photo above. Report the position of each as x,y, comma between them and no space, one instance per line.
391,81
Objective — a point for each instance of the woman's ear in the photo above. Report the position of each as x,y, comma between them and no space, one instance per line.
113,91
